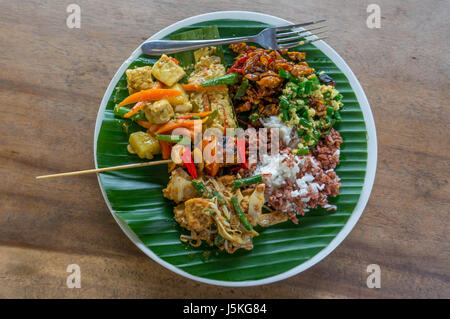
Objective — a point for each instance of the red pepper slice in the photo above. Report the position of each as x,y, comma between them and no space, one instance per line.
238,62
174,60
186,157
241,150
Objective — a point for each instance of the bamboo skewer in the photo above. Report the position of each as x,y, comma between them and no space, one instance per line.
104,169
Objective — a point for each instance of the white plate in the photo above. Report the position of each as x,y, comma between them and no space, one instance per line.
371,145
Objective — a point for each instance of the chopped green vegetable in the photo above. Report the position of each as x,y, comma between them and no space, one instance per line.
284,74
173,138
304,122
284,102
303,151
304,88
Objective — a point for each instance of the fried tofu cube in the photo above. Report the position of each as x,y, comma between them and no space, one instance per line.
159,112
167,71
143,144
139,79
181,104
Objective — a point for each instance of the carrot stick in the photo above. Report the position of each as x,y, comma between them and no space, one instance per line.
153,128
175,124
139,106
150,95
144,124
165,149
197,87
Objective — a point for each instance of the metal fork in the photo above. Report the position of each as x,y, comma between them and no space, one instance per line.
269,38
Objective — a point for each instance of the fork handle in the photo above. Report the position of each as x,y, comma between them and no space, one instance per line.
158,47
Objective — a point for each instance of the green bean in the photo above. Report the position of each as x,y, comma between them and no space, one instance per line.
247,181
304,88
307,87
338,97
315,83
304,122
330,110
201,188
169,138
241,90
303,151
228,79
316,134
120,112
241,214
284,102
284,74
285,114
220,198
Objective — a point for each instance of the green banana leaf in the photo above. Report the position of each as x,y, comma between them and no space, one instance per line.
135,194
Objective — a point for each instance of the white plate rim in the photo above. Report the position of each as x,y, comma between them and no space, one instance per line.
371,147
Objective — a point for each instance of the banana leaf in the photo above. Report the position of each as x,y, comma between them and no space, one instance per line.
135,194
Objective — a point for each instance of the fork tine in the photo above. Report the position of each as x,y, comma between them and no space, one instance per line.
286,34
297,38
293,26
296,44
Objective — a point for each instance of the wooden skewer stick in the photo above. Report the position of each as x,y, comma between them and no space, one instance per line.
105,169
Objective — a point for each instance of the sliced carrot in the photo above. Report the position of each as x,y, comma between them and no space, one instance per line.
153,128
200,114
197,87
143,124
175,124
150,95
174,60
157,85
165,149
139,106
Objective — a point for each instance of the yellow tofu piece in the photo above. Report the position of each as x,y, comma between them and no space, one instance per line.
143,144
181,104
167,71
139,79
159,112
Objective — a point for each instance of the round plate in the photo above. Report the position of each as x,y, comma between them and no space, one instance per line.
135,201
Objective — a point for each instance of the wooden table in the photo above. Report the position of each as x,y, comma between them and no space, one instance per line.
52,80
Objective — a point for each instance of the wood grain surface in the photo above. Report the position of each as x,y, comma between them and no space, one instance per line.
53,78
